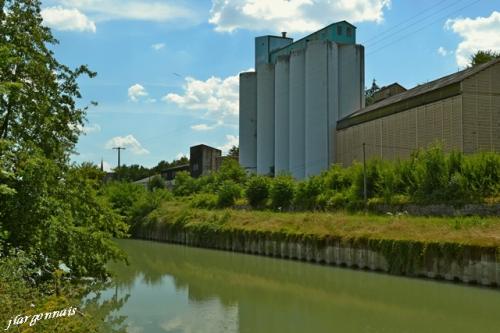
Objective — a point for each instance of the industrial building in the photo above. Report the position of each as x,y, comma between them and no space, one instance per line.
290,105
303,108
460,111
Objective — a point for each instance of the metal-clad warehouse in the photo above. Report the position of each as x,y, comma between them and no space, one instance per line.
461,111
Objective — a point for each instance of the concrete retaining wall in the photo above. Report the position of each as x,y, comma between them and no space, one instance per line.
473,265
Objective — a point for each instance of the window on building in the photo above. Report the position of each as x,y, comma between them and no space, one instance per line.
349,32
339,30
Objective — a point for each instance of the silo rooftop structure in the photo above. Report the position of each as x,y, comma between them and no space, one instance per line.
290,105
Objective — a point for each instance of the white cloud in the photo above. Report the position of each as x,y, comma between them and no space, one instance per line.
158,46
206,127
136,91
216,96
61,18
128,142
231,141
145,10
442,51
292,16
480,33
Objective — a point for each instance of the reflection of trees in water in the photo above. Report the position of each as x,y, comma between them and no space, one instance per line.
284,295
104,311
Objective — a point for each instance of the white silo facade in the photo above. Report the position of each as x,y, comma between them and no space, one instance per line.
248,121
297,108
316,102
302,89
265,119
281,115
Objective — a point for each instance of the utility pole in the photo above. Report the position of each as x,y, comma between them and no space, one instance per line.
364,175
119,149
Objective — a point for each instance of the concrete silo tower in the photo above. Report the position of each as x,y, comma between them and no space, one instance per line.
289,107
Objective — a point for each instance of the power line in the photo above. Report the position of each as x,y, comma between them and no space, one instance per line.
425,27
382,38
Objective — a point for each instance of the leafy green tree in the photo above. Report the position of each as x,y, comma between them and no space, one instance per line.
481,57
234,152
48,206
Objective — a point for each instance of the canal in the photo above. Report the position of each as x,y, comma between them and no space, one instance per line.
174,288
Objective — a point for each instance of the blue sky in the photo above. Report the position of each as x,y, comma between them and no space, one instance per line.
168,70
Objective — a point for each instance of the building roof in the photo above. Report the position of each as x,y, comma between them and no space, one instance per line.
399,102
176,168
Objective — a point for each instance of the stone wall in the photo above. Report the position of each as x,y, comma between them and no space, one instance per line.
474,265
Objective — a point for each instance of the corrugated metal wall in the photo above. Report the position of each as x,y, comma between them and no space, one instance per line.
397,135
481,98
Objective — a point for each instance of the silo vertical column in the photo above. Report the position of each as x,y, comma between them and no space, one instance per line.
265,119
297,114
333,98
248,121
351,79
281,118
316,100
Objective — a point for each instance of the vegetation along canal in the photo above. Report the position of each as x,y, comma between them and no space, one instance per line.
174,288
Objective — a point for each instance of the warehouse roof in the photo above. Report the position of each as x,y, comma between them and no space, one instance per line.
444,87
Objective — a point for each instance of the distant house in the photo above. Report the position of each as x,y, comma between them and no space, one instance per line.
203,160
388,91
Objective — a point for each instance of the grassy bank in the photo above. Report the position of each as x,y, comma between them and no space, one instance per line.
409,245
473,231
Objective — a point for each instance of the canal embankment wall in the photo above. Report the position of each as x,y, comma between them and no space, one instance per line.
435,260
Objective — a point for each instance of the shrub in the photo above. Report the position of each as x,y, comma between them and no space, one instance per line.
257,191
231,170
184,184
306,196
156,182
205,200
228,192
282,192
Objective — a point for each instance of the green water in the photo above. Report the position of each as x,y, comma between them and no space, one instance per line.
173,288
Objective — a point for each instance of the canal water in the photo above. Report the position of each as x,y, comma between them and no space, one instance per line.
174,288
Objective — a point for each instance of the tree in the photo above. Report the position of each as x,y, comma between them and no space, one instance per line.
48,206
370,92
481,57
234,152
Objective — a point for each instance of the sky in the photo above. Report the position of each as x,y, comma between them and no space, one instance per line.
167,71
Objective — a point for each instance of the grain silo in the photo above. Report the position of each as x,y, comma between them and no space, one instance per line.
302,89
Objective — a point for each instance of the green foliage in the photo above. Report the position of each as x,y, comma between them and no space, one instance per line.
231,170
257,191
307,193
205,200
184,184
282,192
156,182
481,57
133,201
227,194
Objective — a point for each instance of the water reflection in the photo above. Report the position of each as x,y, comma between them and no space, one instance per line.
180,289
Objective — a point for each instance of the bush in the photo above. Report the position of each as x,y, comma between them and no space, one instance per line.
184,184
228,192
306,196
282,192
156,182
205,200
231,170
257,191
